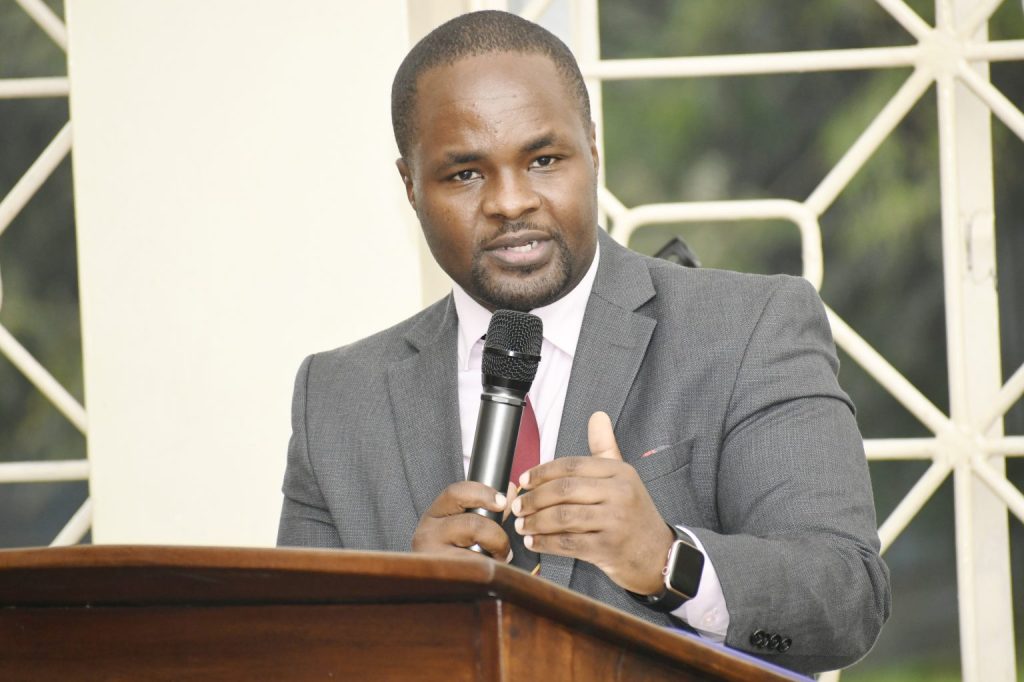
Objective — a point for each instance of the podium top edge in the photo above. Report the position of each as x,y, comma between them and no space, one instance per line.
94,576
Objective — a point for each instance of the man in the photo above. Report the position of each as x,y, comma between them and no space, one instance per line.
681,413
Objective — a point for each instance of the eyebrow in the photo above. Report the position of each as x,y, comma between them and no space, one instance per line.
459,158
546,140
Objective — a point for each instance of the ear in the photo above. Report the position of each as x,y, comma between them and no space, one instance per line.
593,148
403,170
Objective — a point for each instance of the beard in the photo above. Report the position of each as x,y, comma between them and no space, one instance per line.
524,289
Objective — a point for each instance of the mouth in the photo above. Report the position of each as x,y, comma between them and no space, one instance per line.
520,250
525,248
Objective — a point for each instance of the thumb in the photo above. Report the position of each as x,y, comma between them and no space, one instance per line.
602,438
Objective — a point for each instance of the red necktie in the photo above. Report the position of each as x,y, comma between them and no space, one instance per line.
527,445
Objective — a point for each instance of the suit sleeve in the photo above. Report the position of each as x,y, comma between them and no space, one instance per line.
305,519
798,552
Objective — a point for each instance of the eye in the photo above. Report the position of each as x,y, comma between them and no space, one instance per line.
543,161
465,175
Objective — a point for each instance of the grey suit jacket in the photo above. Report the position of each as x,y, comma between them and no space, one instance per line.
730,376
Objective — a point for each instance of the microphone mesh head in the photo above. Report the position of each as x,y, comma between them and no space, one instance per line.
511,330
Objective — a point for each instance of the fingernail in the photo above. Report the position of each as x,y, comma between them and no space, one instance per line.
500,500
517,506
528,541
508,559
519,525
524,480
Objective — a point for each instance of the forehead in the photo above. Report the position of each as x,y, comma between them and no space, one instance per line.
491,98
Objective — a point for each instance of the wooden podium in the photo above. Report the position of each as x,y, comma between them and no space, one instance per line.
188,613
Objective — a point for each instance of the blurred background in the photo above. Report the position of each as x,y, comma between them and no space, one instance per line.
665,140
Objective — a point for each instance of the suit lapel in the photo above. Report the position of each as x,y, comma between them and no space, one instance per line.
612,344
424,396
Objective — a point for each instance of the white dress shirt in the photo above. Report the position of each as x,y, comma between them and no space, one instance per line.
562,320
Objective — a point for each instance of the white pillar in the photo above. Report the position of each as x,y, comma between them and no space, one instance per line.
975,377
237,208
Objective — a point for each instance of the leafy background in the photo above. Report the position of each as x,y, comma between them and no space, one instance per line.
666,140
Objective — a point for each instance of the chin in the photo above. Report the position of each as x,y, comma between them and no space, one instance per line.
526,289
522,296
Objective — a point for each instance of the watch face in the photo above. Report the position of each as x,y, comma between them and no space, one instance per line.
686,564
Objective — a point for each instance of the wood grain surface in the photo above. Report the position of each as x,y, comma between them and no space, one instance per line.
162,613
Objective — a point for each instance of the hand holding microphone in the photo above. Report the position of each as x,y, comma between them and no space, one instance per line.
467,513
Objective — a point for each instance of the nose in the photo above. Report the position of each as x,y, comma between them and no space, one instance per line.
510,196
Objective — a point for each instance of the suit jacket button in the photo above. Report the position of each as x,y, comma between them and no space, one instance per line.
774,642
759,638
784,645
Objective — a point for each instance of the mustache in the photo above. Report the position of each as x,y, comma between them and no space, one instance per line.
513,226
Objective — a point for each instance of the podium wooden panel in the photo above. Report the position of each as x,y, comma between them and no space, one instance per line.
189,613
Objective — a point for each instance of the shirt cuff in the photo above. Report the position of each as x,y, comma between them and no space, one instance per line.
706,612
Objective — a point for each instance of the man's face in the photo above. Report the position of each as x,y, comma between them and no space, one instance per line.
502,173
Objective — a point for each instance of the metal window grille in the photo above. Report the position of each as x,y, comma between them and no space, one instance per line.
10,206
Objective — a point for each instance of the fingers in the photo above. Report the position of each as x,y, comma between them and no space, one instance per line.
458,497
596,509
601,437
466,530
568,467
564,518
603,449
552,513
567,490
513,492
448,527
575,495
458,532
577,545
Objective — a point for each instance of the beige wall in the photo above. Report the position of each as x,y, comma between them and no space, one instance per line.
237,208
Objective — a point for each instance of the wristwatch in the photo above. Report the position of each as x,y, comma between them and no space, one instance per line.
681,576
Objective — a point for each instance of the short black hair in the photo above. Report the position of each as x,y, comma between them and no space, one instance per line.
469,35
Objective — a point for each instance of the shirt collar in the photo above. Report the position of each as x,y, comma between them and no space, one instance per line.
562,319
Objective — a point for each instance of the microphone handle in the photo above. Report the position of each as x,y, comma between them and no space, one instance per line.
494,444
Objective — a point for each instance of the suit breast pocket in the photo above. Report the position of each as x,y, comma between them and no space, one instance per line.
665,473
661,461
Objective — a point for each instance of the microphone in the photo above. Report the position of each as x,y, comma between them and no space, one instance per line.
511,356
